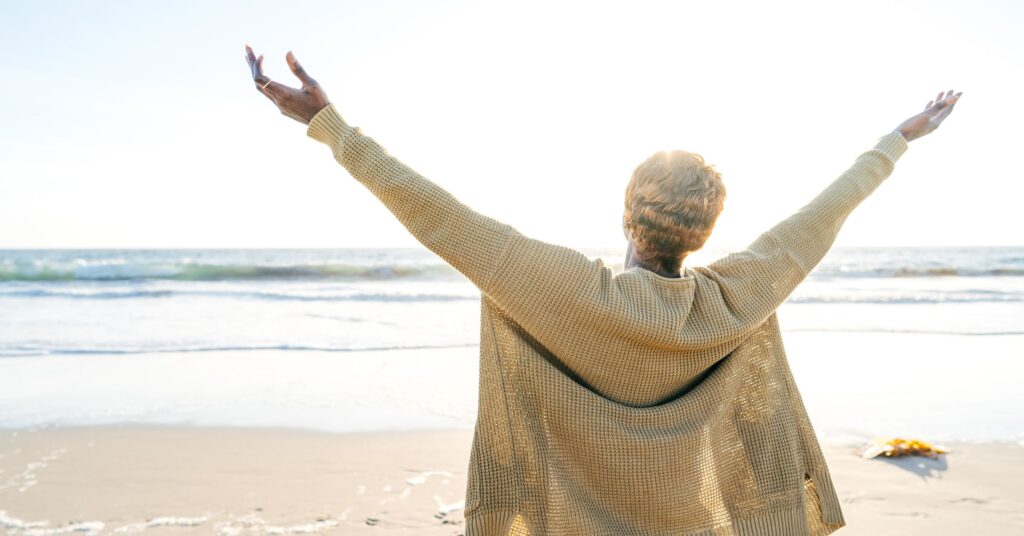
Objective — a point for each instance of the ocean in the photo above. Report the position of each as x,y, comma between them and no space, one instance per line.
88,310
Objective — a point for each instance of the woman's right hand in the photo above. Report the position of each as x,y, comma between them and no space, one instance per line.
300,104
932,116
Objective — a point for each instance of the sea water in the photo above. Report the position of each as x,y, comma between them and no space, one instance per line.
871,330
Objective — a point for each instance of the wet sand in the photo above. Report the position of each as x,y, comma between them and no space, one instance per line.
235,481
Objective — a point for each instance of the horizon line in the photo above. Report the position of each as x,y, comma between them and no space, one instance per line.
720,248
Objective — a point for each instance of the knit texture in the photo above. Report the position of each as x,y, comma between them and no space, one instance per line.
629,403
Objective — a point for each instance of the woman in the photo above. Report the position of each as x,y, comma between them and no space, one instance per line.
657,400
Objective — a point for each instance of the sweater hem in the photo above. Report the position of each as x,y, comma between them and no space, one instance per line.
491,522
782,522
831,512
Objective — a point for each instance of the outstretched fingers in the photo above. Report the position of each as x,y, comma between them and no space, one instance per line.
942,101
298,70
256,66
952,100
270,89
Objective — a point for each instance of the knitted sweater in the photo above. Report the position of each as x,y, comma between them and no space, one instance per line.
629,403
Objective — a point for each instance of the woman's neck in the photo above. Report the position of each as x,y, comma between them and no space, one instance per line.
663,269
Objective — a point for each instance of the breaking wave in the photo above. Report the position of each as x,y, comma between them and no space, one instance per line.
185,271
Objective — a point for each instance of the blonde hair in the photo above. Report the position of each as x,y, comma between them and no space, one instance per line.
672,202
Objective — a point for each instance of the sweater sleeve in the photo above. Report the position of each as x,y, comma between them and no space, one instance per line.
755,281
531,280
470,242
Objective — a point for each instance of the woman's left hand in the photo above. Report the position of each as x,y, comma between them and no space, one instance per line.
299,104
935,112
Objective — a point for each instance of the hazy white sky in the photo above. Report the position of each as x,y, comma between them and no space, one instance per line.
136,124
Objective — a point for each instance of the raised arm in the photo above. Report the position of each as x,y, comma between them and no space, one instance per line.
755,281
543,286
470,242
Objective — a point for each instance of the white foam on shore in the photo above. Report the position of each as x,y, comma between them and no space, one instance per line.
249,524
27,478
302,529
422,477
448,508
254,524
162,522
41,528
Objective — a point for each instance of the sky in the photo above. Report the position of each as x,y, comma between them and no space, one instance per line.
136,124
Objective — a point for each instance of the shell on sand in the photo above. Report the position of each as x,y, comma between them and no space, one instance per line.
896,446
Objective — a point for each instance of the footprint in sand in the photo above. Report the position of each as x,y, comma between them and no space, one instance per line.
860,497
972,500
919,515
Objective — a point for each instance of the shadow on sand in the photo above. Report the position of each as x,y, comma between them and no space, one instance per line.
921,466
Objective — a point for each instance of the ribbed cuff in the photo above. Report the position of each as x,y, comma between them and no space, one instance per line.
892,145
327,126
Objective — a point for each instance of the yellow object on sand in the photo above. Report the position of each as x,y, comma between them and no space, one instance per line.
893,447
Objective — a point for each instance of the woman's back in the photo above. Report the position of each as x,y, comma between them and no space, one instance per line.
622,425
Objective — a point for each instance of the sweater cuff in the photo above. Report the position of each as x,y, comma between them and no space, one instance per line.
892,145
327,126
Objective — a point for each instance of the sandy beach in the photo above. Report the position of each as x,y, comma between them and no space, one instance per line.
114,480
233,481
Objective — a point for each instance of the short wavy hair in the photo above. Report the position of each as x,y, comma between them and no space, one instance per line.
672,202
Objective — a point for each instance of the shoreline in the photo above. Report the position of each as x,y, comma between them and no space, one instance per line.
119,479
834,443
855,386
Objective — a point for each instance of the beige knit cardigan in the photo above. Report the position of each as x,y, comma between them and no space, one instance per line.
629,403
